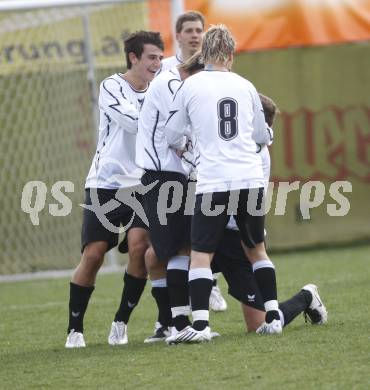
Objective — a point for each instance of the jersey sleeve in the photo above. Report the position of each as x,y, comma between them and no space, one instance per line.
114,104
260,134
177,121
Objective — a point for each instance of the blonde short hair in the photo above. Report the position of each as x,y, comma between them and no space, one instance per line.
218,44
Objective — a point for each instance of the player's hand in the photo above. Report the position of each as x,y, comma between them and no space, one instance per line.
180,152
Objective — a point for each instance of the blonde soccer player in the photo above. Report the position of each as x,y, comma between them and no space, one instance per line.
226,118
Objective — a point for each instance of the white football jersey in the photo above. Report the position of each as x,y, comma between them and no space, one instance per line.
170,63
266,164
114,165
266,167
226,118
263,151
152,149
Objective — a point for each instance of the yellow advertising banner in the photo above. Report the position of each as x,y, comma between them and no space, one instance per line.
266,24
33,40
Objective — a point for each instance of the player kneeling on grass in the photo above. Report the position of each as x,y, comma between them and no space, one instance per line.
226,119
238,273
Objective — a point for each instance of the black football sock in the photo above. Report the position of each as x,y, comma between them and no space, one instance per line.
215,272
264,272
79,297
200,286
178,287
160,294
295,305
132,290
215,269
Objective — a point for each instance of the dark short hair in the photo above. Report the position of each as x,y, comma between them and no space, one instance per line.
135,42
189,16
270,109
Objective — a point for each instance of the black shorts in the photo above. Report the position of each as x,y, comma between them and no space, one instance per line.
105,227
136,223
230,259
206,230
169,231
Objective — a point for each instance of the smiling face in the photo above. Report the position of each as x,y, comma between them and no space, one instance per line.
148,64
190,38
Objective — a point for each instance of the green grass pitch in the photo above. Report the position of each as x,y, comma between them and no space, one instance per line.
33,320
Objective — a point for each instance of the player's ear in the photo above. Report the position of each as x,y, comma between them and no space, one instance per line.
133,58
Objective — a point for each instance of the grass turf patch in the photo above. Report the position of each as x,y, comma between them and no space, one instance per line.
336,356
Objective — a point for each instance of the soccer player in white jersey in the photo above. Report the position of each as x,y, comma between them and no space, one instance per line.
189,29
189,33
226,119
169,230
113,172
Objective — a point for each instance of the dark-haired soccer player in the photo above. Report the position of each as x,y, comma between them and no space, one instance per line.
113,172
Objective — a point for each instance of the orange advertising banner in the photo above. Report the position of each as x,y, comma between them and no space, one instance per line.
266,24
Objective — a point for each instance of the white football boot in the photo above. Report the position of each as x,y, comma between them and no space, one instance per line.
273,327
216,300
316,312
190,335
75,340
118,334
